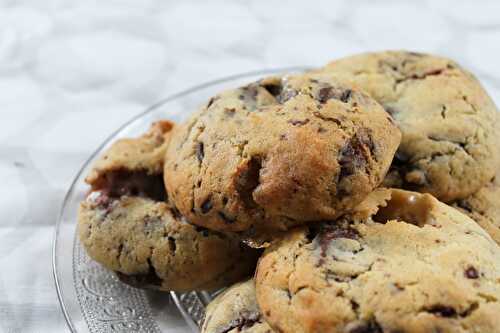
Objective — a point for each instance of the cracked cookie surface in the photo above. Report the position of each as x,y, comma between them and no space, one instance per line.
484,208
401,262
235,310
449,123
278,153
126,225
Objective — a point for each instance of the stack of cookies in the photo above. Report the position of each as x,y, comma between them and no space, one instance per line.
360,197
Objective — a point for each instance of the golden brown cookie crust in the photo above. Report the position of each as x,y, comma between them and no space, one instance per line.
153,247
277,153
424,268
235,310
450,125
484,208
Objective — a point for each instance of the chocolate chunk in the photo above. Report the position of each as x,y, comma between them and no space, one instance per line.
329,92
442,311
422,76
352,157
225,218
132,183
346,95
296,122
471,273
329,232
325,93
206,206
247,180
200,151
172,245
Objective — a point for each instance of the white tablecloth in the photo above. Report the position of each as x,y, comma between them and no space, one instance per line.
72,71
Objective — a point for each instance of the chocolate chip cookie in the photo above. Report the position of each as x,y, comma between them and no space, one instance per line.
279,152
235,310
484,208
449,123
126,225
150,246
401,262
144,156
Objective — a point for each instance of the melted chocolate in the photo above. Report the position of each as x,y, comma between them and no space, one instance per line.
132,183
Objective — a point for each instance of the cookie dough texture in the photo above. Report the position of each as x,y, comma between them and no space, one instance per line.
449,123
235,310
402,262
150,246
484,208
279,152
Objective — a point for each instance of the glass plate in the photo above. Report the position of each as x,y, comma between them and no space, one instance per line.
92,299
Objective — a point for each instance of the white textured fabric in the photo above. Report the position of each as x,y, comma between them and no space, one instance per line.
73,71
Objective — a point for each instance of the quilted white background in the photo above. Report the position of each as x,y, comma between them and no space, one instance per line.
71,71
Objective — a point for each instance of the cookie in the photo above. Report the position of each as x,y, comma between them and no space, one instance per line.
449,123
144,156
401,262
235,310
126,225
150,246
484,208
278,153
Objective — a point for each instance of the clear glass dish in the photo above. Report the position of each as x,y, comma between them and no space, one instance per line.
91,298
